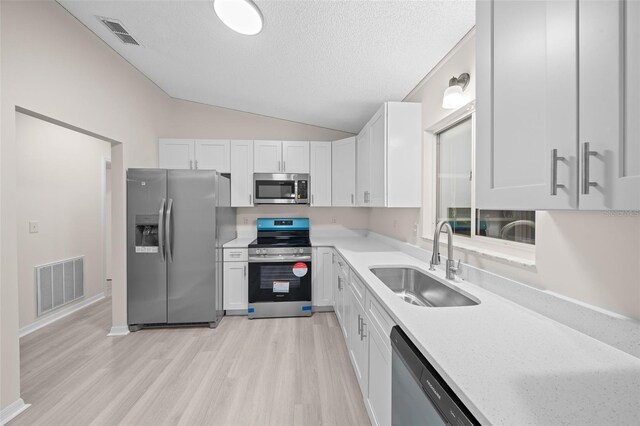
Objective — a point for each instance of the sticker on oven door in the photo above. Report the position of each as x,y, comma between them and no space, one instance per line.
300,269
281,286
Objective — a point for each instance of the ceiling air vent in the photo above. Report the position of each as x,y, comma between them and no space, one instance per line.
118,29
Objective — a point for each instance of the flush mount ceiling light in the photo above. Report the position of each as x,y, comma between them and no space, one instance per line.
453,98
242,16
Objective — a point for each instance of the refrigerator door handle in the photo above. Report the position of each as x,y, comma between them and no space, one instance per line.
161,229
168,230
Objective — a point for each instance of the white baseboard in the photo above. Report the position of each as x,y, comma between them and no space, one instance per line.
118,330
63,312
12,410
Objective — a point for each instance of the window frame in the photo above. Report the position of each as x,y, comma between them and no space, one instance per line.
511,251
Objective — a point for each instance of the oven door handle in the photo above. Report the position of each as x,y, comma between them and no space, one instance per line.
279,259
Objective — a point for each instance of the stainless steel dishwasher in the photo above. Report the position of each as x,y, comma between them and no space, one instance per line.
419,396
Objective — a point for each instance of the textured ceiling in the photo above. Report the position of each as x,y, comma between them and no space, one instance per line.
327,63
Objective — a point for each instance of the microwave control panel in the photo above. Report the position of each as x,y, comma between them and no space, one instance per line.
303,190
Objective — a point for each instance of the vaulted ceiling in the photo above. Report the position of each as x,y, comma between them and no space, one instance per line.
326,63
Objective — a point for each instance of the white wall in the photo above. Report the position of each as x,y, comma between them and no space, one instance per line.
54,66
320,218
593,257
60,186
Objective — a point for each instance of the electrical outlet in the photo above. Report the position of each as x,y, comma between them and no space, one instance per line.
415,229
34,226
245,220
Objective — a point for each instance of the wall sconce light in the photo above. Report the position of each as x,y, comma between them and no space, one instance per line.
452,98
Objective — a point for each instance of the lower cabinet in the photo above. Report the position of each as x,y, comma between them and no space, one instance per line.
340,280
358,340
322,292
236,286
379,396
366,327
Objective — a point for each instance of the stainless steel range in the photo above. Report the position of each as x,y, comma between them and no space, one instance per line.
280,269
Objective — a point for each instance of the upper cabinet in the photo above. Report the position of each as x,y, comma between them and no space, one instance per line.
201,154
552,126
295,157
343,173
389,157
176,153
320,172
241,173
609,94
213,154
267,156
281,157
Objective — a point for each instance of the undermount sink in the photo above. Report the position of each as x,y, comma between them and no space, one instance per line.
418,288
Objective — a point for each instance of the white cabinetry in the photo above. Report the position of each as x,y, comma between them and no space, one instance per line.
570,85
340,282
343,173
389,157
235,278
241,173
322,294
295,157
379,328
202,154
281,157
212,154
609,70
366,327
176,153
358,335
320,174
267,156
363,167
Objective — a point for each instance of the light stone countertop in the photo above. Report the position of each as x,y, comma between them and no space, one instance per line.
507,364
240,242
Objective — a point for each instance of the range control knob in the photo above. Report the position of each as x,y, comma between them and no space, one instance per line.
300,251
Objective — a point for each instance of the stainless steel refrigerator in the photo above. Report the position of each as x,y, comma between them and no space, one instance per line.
177,222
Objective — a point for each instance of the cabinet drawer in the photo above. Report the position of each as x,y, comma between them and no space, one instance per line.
342,264
358,288
236,255
378,317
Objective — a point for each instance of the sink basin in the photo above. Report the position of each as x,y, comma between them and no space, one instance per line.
418,288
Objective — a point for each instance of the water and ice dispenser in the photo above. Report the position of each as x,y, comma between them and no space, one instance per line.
147,233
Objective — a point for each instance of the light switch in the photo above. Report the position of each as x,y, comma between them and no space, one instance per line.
34,226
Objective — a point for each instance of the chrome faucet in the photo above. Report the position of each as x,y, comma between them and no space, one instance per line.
451,268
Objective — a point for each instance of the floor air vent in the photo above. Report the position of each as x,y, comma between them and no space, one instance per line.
59,283
118,29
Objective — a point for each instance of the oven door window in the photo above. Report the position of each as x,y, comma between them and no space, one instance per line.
279,282
275,190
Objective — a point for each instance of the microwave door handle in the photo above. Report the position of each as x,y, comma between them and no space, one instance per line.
161,229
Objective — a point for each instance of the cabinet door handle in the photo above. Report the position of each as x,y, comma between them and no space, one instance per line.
339,283
196,164
351,199
554,172
250,199
312,200
359,326
244,268
586,157
284,166
190,164
362,335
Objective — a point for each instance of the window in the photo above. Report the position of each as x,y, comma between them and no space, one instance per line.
455,192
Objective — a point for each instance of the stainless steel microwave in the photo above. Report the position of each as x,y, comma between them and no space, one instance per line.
281,188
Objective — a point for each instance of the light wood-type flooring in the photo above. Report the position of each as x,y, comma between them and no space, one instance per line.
246,372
